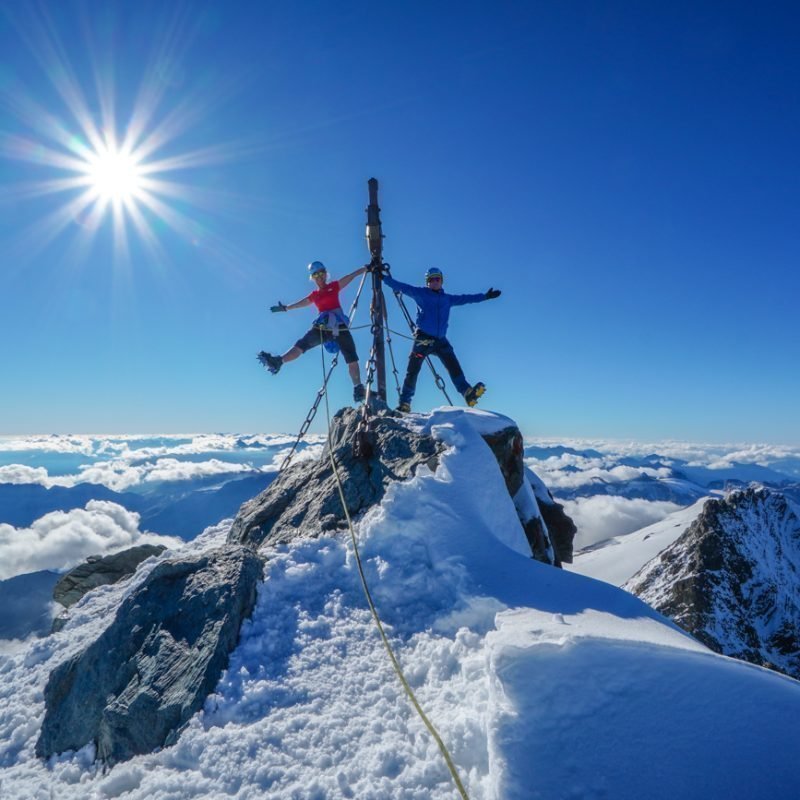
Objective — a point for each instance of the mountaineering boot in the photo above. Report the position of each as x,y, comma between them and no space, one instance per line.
473,393
404,408
272,363
359,393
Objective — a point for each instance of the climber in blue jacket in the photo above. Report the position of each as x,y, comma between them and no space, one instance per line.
430,335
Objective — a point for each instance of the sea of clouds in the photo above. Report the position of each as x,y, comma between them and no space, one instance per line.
611,488
153,466
608,488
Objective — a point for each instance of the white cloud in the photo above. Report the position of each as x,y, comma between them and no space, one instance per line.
603,516
62,539
201,443
558,479
120,475
142,446
697,453
170,469
19,473
50,444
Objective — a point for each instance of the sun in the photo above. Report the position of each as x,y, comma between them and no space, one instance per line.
114,175
108,157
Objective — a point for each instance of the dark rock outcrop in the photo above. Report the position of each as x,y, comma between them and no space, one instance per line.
305,495
560,526
133,689
100,571
732,579
507,447
550,532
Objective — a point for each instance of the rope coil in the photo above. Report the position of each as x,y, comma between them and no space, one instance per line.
324,388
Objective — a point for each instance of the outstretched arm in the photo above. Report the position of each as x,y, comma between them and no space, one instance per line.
405,288
463,299
354,274
299,304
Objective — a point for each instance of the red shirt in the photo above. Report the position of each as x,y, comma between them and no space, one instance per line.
326,298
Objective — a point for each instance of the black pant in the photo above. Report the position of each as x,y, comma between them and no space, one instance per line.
316,337
424,346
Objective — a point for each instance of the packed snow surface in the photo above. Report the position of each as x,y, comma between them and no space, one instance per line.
542,683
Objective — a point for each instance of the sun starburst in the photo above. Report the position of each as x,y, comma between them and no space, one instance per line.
106,172
115,175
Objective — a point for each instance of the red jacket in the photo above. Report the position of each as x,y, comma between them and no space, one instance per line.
327,298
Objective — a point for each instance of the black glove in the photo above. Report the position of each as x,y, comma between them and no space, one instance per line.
279,307
383,269
492,293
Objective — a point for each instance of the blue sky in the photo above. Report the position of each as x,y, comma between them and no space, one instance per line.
627,175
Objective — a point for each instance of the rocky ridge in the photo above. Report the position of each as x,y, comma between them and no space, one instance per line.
132,690
304,499
99,571
732,579
134,687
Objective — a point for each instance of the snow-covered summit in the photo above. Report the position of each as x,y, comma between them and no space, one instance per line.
542,683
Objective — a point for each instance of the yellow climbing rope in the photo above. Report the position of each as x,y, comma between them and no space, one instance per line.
384,638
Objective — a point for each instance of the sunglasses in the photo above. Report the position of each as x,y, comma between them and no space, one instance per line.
435,278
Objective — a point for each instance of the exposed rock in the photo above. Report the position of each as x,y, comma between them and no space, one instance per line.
560,526
732,579
304,498
549,530
133,688
99,571
508,449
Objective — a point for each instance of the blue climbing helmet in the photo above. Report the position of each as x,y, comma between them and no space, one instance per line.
433,272
314,267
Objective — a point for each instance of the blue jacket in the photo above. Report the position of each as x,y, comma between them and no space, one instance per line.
433,308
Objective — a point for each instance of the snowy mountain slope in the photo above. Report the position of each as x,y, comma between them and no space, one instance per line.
733,578
542,683
620,558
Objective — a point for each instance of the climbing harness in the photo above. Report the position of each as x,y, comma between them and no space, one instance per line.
438,379
313,410
332,321
374,611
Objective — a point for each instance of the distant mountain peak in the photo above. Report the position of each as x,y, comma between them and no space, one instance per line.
732,579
